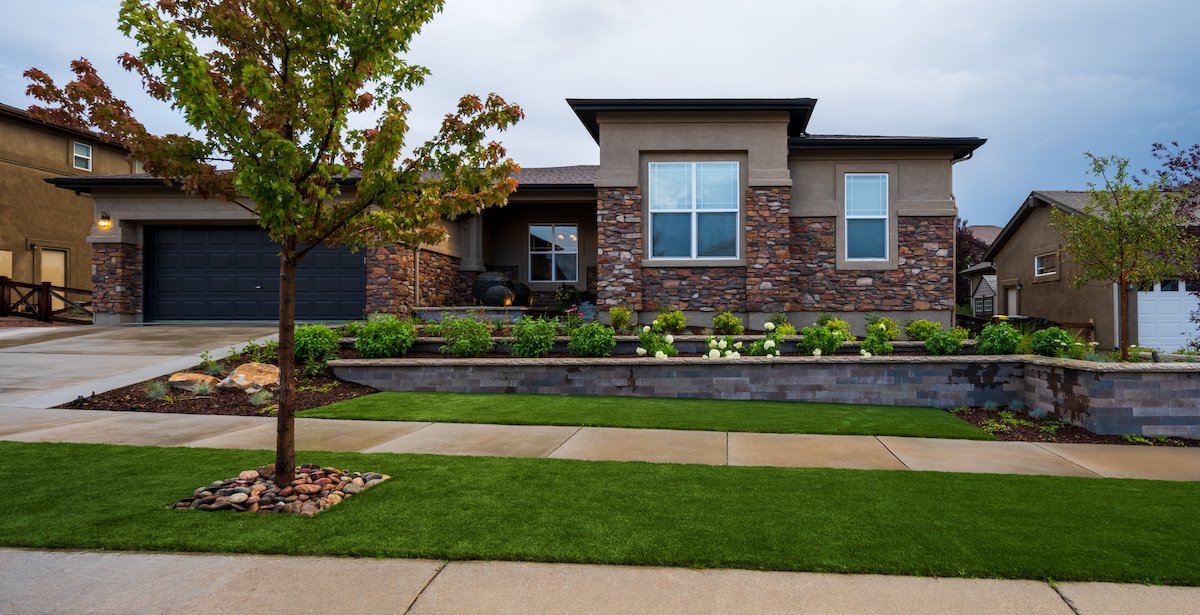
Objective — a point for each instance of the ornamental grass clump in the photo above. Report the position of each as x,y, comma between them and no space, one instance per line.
725,323
465,336
595,339
1051,342
533,337
921,330
656,341
943,343
384,336
997,338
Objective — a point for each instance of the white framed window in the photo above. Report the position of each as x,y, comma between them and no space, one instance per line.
81,156
866,216
1045,264
694,210
553,253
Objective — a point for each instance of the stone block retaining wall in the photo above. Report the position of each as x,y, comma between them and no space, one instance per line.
1104,398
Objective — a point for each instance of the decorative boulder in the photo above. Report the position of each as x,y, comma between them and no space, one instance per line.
251,378
497,296
191,382
488,279
522,296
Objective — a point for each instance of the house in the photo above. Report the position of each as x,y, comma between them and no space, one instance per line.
44,234
697,204
981,276
1034,281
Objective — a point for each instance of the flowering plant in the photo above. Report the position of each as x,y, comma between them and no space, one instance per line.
819,340
656,341
722,348
769,345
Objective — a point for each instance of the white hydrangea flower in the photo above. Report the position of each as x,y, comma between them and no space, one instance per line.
728,353
722,344
660,355
769,326
776,353
641,351
714,354
654,322
737,345
646,329
816,352
882,327
670,339
735,354
712,343
866,354
863,352
769,344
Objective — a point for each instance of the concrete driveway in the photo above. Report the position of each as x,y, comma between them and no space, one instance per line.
45,367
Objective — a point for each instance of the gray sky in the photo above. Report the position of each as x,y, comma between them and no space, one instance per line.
1043,81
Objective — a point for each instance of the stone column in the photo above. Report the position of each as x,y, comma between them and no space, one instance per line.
117,280
768,245
619,248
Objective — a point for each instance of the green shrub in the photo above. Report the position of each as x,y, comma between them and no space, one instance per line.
384,335
997,338
655,339
820,338
921,330
351,329
595,339
261,353
465,336
877,341
960,333
785,329
533,337
841,326
673,321
823,318
315,344
890,330
1051,342
779,319
619,317
725,323
943,343
567,297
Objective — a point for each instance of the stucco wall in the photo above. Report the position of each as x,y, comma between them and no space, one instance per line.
506,235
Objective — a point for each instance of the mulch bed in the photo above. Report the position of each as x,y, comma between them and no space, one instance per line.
1070,434
10,322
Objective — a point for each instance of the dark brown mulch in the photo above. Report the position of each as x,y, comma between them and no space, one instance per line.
1070,434
9,322
310,393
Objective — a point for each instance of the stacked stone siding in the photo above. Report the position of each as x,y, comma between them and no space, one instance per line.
923,280
117,278
390,277
768,257
694,288
619,242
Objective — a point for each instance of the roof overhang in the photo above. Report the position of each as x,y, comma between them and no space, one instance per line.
799,109
962,147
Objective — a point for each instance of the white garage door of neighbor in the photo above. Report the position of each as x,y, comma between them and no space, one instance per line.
1164,315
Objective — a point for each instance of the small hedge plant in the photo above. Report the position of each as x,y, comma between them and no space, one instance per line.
533,337
595,339
878,340
619,317
672,322
656,342
725,323
943,343
997,338
314,345
1052,342
828,321
384,335
781,325
465,337
819,340
921,330
890,331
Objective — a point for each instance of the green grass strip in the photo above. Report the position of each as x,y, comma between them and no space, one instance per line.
654,412
444,507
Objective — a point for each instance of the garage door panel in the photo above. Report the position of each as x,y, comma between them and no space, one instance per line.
232,273
1164,317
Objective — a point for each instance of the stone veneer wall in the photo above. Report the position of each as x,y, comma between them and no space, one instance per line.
923,280
1105,398
693,288
389,280
769,269
117,278
619,243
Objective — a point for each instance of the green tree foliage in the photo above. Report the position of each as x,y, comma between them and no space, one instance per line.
1126,235
269,88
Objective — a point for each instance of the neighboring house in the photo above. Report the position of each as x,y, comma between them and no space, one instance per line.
697,204
982,275
1034,280
43,236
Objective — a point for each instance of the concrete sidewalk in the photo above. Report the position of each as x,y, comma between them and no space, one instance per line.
604,443
89,582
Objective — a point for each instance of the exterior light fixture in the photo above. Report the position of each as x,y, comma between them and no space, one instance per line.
105,222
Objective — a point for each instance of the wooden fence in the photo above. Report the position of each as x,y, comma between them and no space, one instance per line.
37,301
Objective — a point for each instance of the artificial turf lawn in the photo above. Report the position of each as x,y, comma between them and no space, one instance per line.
653,412
914,523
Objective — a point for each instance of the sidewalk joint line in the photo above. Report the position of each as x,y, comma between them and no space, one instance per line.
403,435
560,444
1067,601
890,451
440,568
1074,463
727,448
223,434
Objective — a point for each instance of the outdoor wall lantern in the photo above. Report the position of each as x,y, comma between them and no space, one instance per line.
105,222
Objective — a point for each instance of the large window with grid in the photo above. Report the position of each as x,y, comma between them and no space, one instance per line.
553,253
866,216
694,210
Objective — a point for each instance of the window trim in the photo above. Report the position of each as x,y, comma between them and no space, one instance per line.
75,156
529,252
1037,260
886,217
694,213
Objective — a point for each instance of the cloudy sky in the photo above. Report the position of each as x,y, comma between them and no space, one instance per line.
1043,81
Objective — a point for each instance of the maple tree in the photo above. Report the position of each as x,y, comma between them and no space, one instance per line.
269,87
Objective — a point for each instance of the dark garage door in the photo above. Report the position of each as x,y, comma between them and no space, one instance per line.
232,273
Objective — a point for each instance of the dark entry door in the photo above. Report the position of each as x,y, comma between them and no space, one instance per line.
232,273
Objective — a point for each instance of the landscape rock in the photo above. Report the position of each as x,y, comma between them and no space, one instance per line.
251,378
190,382
315,489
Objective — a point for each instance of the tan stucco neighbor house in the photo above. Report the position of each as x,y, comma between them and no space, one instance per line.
1034,280
43,233
697,204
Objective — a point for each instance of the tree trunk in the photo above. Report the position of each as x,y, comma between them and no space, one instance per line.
1123,308
285,433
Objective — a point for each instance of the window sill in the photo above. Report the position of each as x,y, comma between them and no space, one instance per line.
1045,277
693,262
866,265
